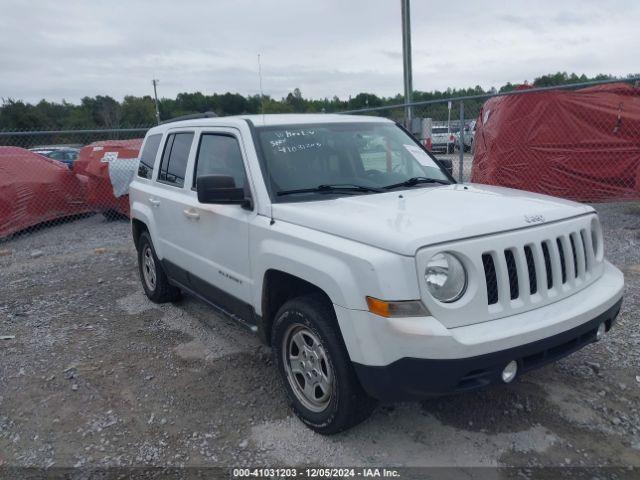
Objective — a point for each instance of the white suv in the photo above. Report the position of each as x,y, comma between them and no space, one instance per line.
370,272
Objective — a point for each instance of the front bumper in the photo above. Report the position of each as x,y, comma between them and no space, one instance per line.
414,378
415,357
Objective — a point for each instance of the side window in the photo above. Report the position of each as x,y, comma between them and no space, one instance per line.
174,158
220,154
148,155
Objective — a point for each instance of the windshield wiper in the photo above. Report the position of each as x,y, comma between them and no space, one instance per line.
342,188
415,181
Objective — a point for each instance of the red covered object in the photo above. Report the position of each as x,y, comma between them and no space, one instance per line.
582,145
35,189
94,162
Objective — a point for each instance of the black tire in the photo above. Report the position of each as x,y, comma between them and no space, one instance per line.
348,404
160,290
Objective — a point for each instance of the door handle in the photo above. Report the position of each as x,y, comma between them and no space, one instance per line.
154,202
192,214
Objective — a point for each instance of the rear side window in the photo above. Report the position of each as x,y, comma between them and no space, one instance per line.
220,154
174,158
148,155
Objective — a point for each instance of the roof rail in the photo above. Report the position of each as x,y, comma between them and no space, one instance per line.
192,116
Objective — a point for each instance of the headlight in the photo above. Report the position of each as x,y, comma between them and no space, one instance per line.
446,277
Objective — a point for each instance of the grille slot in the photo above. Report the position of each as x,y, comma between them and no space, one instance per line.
513,274
563,265
583,235
490,278
547,264
531,268
575,256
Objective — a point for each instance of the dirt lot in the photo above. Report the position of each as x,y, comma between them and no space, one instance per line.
98,376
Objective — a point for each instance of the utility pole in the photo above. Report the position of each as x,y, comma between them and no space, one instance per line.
406,58
155,94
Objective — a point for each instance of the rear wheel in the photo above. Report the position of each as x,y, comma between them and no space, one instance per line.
317,373
154,280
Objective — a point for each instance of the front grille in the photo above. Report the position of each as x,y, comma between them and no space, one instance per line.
521,272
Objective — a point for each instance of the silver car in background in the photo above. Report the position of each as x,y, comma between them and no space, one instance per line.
442,139
469,135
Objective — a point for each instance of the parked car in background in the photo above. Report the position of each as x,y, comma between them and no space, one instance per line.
442,139
588,150
35,189
469,135
108,166
66,155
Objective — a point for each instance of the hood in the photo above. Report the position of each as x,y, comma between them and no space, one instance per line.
403,221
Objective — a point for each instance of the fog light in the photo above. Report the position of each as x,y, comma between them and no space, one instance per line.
602,329
510,371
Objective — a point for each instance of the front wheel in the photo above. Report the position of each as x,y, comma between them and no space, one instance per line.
317,373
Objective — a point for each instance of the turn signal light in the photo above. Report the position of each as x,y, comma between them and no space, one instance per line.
404,308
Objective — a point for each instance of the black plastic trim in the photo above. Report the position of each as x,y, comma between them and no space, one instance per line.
226,304
192,116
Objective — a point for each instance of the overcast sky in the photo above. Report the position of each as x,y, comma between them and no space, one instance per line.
66,49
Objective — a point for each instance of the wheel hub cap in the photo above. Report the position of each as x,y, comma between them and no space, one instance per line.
149,268
307,367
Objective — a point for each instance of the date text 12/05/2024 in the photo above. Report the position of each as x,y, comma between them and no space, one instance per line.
367,472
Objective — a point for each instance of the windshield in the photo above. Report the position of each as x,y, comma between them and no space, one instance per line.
360,158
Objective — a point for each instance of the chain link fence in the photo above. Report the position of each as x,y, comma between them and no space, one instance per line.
48,177
580,142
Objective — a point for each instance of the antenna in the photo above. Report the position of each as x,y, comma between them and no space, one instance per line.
261,92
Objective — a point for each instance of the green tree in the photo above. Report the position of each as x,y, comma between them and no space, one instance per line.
105,111
136,111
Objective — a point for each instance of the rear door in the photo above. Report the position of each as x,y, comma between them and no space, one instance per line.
168,204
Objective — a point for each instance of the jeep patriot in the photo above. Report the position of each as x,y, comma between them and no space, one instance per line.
370,272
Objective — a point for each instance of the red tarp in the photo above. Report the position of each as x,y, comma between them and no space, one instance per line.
94,162
35,189
582,145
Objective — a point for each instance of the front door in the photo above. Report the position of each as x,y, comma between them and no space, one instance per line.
216,236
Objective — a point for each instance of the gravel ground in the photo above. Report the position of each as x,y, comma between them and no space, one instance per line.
97,376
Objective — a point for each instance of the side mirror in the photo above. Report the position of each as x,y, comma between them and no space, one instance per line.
219,189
